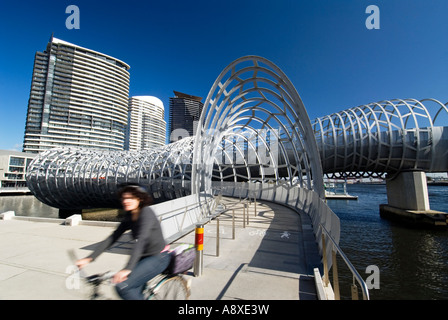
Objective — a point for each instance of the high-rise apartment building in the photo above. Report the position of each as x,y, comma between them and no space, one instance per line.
146,124
78,98
185,111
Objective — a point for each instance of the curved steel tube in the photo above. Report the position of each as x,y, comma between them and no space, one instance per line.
253,104
385,137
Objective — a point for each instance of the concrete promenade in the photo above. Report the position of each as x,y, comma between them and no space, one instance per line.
272,257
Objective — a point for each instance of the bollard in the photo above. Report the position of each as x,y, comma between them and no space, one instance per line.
244,215
255,206
233,224
217,237
199,244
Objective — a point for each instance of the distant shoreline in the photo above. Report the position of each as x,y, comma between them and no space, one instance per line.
442,183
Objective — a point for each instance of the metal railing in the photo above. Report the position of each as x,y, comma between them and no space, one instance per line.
328,244
335,249
321,216
242,204
198,263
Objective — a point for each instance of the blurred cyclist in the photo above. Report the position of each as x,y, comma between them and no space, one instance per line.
148,256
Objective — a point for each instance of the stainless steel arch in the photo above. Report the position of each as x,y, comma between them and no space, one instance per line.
253,105
384,138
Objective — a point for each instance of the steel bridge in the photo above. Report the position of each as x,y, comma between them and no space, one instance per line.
375,140
251,107
254,134
254,139
386,137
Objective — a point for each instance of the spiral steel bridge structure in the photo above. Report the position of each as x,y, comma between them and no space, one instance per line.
254,127
385,137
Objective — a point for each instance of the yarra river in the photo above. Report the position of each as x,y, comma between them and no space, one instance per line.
413,263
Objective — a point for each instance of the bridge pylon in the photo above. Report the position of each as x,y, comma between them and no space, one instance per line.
408,201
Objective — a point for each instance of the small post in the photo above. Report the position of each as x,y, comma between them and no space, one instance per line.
199,244
337,295
354,292
244,215
255,205
324,253
233,224
247,214
217,237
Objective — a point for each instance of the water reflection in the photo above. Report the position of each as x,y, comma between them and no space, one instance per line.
27,205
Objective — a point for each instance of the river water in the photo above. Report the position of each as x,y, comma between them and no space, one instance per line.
27,205
413,263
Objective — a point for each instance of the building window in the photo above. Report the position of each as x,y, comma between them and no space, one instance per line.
14,161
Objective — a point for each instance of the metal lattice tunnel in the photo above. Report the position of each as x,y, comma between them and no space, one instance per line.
255,127
69,178
386,137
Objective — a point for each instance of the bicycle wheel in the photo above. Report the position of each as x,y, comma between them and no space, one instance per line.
174,288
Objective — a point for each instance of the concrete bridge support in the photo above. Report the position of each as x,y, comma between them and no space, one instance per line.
409,191
408,201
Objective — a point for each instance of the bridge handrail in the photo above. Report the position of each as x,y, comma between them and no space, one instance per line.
356,275
322,218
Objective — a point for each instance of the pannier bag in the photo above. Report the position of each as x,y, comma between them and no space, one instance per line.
182,258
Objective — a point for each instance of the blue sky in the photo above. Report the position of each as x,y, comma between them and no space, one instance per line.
323,46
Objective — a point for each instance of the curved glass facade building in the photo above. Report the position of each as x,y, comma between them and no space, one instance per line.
146,126
78,98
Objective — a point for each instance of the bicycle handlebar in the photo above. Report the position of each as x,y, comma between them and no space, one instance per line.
97,279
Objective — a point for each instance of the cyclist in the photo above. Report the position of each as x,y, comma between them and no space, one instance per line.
149,256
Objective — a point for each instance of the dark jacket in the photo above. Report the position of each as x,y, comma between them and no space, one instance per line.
146,231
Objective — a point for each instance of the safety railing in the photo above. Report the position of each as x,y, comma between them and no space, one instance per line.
325,225
199,230
335,249
242,204
326,241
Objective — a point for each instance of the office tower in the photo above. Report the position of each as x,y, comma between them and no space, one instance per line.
78,98
185,111
146,124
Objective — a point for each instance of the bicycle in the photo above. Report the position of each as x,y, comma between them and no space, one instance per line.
165,286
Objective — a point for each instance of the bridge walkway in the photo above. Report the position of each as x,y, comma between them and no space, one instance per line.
272,256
